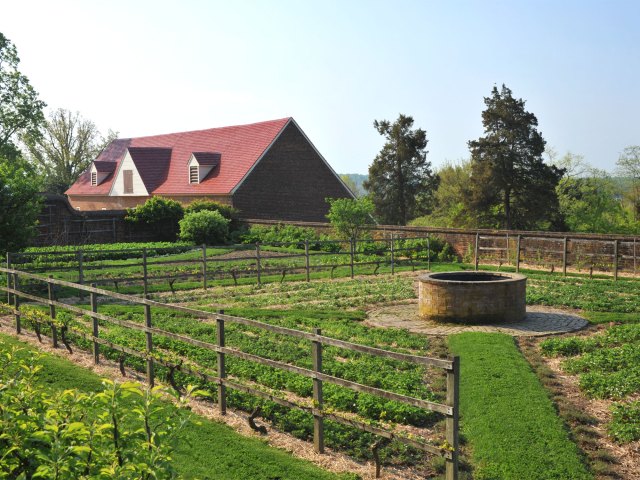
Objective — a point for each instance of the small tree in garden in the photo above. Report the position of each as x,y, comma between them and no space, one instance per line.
161,215
349,216
204,227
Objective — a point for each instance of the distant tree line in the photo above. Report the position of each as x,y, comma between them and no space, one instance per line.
506,182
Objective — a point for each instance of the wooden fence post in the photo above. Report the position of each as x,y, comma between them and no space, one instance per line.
353,247
16,302
564,257
476,251
80,256
222,372
145,273
94,308
452,421
52,313
634,256
518,253
8,278
615,260
149,349
428,252
204,266
506,252
392,254
318,421
306,259
258,266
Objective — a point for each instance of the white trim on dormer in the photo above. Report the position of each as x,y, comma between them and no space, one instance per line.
100,176
203,170
117,186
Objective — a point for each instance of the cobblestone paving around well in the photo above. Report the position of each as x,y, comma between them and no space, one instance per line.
539,321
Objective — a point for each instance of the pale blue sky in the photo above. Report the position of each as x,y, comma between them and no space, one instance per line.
151,67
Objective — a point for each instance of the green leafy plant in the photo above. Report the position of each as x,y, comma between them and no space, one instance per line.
124,431
161,215
349,216
204,227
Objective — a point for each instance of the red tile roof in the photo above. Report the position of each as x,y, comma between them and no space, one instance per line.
240,147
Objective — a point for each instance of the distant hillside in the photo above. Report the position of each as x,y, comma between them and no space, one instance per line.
355,180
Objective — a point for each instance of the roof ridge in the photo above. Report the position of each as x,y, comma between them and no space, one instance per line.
284,120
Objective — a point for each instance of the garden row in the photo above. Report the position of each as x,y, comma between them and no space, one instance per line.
177,360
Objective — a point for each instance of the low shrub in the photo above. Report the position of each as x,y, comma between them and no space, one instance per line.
227,211
204,227
161,215
123,431
280,233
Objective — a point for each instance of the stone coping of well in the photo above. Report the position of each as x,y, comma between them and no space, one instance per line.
539,321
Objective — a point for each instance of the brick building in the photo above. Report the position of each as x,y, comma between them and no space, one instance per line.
268,170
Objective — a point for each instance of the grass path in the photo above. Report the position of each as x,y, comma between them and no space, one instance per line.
209,450
507,417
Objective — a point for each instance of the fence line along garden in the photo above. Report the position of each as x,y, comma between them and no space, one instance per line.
304,260
161,348
300,260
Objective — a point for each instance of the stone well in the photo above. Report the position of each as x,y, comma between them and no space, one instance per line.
472,297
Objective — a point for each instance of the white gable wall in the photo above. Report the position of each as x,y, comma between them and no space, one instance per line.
117,189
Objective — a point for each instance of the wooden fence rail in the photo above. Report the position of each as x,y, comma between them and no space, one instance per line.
606,256
449,450
208,266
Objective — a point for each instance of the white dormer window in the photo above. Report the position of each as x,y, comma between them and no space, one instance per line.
194,175
201,164
100,170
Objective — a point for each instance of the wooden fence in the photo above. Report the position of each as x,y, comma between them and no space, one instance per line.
558,253
392,252
449,450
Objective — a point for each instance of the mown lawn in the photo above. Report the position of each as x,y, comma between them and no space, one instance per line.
507,416
207,450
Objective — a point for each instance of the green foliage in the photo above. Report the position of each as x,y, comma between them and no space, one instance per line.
160,215
349,216
508,416
625,422
64,147
354,182
204,227
280,233
628,165
123,431
20,109
227,211
401,183
449,209
20,203
510,185
112,251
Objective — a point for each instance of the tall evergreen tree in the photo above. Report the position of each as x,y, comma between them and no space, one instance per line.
401,182
511,186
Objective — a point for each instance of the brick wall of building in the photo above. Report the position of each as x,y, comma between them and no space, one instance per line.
291,182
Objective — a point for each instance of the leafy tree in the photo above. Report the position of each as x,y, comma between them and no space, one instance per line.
449,208
204,227
511,186
159,215
64,147
20,109
589,204
349,216
401,183
351,183
629,166
19,204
